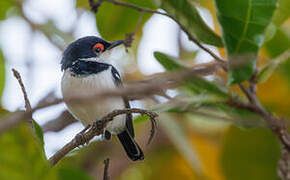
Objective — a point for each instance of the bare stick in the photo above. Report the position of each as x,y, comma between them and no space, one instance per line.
60,122
26,100
96,128
18,77
130,37
106,168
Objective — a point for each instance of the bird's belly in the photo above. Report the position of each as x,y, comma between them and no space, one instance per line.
88,112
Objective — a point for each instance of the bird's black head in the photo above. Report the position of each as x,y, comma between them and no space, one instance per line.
86,48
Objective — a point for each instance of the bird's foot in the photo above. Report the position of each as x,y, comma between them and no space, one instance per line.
80,138
107,135
99,124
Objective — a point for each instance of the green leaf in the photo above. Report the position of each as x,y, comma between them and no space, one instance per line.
169,63
38,132
193,84
250,154
243,25
5,5
73,174
188,17
2,74
114,21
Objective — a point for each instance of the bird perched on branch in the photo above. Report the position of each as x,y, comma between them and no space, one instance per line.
87,68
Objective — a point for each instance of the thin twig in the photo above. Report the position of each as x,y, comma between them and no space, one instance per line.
275,123
141,9
97,128
18,77
130,37
106,168
94,6
153,128
26,100
60,122
247,93
253,82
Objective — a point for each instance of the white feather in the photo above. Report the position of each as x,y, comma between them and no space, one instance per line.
90,112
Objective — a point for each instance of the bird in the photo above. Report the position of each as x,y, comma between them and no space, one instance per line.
87,67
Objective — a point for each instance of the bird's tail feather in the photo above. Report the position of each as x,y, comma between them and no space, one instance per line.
132,149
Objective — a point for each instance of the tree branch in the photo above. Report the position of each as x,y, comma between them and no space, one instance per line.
130,37
106,168
26,100
57,124
141,9
97,128
138,89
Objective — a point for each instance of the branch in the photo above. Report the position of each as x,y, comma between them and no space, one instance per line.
57,124
138,89
141,9
130,37
273,122
18,77
27,102
106,163
97,128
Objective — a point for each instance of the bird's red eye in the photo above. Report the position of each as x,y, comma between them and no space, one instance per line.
98,47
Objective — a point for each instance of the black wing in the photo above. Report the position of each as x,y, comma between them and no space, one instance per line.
129,118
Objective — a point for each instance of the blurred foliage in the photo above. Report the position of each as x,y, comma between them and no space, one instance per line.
255,154
22,157
267,70
73,174
282,13
4,7
277,46
178,136
199,136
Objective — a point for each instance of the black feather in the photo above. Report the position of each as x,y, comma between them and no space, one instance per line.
131,147
80,67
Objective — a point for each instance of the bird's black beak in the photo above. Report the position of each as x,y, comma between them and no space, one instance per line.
115,44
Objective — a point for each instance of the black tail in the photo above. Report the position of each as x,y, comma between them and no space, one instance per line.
132,149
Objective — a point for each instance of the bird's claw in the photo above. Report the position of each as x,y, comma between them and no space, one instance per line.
80,139
99,124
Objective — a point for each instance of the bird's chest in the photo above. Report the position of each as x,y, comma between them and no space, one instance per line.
87,83
87,112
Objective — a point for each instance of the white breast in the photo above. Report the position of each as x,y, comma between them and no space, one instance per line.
89,112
